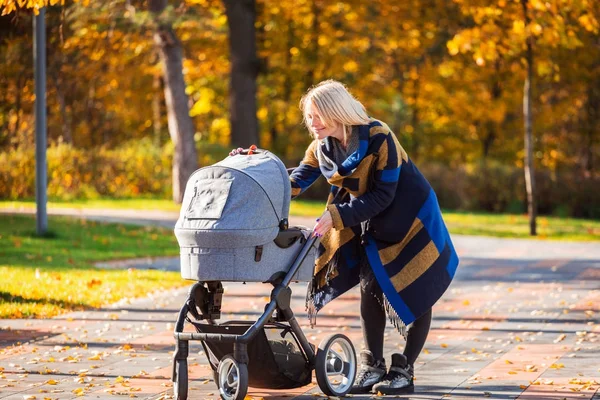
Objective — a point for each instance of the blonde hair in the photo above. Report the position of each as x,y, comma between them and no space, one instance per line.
335,104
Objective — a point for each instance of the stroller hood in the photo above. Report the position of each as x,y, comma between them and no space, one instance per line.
237,202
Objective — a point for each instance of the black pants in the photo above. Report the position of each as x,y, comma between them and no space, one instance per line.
373,319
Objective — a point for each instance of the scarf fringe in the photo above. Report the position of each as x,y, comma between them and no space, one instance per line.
394,318
311,312
309,304
396,321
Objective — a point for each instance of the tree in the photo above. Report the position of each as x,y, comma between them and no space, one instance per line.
241,18
510,29
181,128
528,122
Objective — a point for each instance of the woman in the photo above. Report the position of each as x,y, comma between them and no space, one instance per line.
382,228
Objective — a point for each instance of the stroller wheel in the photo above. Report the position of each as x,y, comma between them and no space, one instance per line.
232,379
335,365
180,384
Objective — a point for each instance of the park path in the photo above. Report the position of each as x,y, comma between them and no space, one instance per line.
521,320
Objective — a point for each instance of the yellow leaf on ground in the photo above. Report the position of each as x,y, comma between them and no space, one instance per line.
560,338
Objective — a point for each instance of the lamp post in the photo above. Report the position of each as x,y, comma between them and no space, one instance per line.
39,60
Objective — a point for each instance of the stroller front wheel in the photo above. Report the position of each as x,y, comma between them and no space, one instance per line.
335,365
232,379
180,384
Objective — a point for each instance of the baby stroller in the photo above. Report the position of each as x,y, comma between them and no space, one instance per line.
233,227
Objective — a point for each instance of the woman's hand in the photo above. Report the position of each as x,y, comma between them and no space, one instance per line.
237,151
324,224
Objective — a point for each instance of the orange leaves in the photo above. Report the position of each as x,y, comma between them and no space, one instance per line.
94,282
589,23
10,6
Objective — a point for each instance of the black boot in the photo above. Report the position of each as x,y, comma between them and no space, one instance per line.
399,379
371,372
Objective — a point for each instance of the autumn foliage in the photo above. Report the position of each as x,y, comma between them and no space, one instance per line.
447,76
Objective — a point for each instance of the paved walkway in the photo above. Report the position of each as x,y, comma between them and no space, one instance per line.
521,320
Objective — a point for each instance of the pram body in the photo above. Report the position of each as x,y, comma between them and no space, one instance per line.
233,227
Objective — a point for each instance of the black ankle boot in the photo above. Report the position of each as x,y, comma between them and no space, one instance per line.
371,372
399,379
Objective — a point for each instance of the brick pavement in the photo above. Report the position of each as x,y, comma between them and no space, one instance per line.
514,324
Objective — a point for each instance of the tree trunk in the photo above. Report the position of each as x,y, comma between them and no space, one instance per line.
491,126
64,116
20,84
415,119
156,109
528,119
593,117
241,17
181,127
91,114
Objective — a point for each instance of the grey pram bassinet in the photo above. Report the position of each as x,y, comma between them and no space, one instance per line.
233,222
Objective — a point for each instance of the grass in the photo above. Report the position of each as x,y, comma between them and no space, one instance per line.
462,223
496,225
517,226
42,277
130,204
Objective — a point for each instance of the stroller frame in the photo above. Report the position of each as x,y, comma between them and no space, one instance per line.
279,301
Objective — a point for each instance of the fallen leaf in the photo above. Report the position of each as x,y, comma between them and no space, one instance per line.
560,338
531,368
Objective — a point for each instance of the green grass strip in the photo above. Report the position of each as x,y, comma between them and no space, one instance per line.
461,223
42,277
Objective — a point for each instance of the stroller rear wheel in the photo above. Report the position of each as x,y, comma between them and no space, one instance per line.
180,385
232,379
335,365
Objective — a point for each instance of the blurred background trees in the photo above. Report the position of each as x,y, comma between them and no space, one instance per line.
447,76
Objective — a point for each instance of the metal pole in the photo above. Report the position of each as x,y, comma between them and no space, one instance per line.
39,60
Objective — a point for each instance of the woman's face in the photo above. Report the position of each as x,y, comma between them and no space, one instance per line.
318,128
